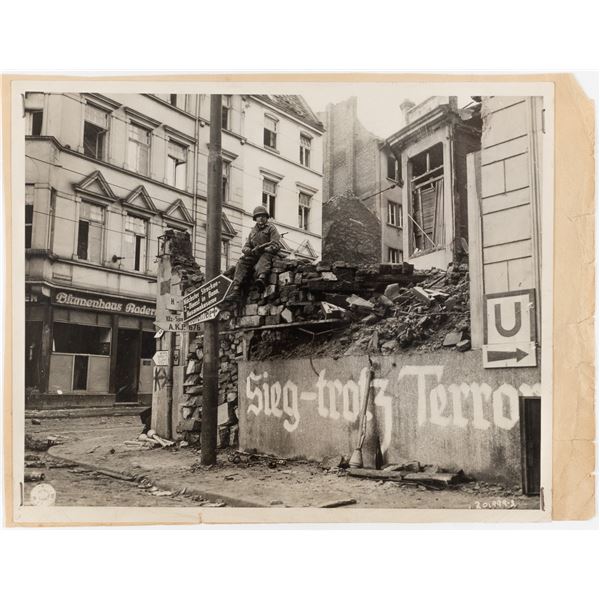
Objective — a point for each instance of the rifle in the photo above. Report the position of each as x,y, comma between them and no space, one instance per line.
257,249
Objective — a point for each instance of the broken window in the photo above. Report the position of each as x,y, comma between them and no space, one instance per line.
392,168
269,195
226,112
95,128
89,239
270,132
29,191
394,214
138,149
135,241
394,255
34,120
303,210
176,165
427,193
305,143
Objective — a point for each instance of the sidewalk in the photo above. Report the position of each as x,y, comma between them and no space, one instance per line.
80,413
261,483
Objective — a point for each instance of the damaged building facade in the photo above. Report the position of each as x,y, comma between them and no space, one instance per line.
471,199
359,171
106,176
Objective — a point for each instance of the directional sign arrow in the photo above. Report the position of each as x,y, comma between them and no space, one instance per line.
495,355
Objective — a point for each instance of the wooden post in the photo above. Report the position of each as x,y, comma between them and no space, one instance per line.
210,393
475,248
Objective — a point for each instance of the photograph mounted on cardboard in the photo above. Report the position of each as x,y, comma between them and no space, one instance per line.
282,296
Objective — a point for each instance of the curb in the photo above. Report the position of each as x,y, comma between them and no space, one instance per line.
61,413
130,477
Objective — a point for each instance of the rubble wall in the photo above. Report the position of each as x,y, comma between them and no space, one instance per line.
438,408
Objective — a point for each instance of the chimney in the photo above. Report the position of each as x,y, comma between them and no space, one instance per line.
405,107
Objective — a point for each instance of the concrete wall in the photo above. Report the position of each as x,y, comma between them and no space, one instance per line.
441,408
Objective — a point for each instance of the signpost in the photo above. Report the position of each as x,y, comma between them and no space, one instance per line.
510,330
175,322
197,302
161,358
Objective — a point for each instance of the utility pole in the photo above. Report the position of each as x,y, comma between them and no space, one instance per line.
210,391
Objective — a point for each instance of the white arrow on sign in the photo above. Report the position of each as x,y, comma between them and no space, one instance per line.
161,358
209,315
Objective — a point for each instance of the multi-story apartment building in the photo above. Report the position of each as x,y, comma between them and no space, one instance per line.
106,175
359,163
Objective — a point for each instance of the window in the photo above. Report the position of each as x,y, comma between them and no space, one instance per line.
303,210
173,99
95,128
138,151
226,112
394,214
69,338
427,204
135,241
148,345
34,120
392,168
177,165
394,255
89,239
29,191
270,132
269,195
226,179
305,150
225,255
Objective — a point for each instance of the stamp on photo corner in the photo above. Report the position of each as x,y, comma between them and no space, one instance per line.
43,494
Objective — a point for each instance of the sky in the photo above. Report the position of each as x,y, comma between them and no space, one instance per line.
378,105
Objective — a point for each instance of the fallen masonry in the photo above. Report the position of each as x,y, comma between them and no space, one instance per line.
325,309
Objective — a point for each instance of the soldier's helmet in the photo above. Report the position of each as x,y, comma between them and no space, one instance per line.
260,210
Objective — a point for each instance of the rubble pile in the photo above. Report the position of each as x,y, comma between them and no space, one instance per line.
230,352
328,310
379,309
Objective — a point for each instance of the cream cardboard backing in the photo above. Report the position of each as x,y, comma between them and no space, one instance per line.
570,467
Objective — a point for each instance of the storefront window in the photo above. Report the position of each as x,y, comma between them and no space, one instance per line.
148,344
81,339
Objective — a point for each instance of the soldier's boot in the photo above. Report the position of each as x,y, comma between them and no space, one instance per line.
234,292
261,282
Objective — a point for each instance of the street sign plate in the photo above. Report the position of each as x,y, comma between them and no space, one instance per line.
510,330
175,322
205,297
510,354
174,302
208,315
161,358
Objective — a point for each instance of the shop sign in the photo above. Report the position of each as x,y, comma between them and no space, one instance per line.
103,303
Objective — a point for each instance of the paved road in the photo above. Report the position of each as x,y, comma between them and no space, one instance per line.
76,486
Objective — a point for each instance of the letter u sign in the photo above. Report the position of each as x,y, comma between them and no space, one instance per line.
510,317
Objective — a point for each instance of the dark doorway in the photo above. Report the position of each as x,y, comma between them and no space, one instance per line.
33,344
531,423
128,364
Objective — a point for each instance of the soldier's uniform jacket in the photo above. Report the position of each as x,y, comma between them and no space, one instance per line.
258,237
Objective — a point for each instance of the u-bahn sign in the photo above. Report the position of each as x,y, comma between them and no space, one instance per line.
510,330
205,298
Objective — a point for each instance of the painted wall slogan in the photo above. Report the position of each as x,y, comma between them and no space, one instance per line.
429,410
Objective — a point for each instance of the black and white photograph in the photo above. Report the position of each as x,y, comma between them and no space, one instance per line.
309,299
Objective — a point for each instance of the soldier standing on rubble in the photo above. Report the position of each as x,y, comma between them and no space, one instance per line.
258,252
